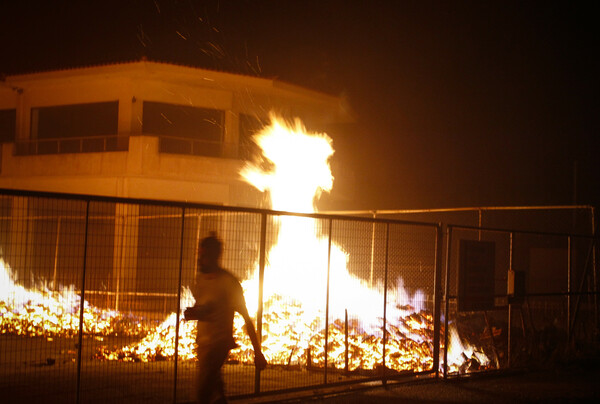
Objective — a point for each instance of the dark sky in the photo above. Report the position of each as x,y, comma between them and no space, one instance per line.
457,103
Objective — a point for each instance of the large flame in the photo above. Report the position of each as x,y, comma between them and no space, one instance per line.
300,168
294,289
297,266
296,272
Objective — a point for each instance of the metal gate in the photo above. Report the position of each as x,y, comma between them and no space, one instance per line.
93,289
543,306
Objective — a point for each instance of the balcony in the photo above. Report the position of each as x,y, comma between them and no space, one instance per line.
88,144
112,143
195,147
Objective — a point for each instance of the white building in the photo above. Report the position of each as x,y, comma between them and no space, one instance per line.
144,130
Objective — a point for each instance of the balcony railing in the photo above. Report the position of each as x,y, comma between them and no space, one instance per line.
89,144
95,144
197,147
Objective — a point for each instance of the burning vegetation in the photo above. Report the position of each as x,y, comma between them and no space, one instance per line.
45,312
297,331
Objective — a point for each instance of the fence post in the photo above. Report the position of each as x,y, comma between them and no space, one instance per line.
261,279
346,342
594,271
510,267
591,254
56,247
82,300
178,307
437,304
385,288
446,300
372,248
569,289
327,301
479,223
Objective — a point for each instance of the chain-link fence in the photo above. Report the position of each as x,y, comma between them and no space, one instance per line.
93,288
528,298
568,219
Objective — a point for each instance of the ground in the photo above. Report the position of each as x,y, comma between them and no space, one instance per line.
563,383
33,368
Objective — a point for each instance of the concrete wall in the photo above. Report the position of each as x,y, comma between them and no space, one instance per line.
143,172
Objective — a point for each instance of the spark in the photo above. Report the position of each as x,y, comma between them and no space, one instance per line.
165,118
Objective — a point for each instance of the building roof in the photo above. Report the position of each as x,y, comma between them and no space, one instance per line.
79,67
181,73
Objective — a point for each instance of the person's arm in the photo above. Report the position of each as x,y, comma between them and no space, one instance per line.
259,360
198,312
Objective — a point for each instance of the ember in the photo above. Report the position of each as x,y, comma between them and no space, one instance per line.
48,313
297,331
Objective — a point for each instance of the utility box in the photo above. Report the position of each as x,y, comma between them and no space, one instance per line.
516,286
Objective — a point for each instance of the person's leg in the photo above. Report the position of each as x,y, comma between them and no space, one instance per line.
219,389
208,376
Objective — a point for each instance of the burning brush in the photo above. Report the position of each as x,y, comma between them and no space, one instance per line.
294,331
43,312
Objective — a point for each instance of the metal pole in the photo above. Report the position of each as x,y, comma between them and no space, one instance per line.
437,305
262,259
489,328
590,254
120,240
467,209
346,340
510,265
327,301
372,249
82,300
56,251
196,252
569,289
446,300
178,306
479,225
385,288
594,272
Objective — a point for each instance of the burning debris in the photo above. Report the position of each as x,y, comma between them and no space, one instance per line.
290,343
48,313
287,340
295,333
463,357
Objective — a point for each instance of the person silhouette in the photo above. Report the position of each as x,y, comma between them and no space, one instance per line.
218,296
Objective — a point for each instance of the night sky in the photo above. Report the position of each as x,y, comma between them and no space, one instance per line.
456,103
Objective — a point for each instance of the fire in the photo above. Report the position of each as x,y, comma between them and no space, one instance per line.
296,273
300,167
160,344
462,356
294,289
44,312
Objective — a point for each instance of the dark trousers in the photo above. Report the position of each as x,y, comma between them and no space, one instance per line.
209,383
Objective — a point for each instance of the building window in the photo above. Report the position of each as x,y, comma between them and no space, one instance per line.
74,129
249,126
8,125
184,129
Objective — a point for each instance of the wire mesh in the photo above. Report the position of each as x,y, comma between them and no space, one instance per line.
410,298
318,305
538,277
140,289
41,303
334,299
